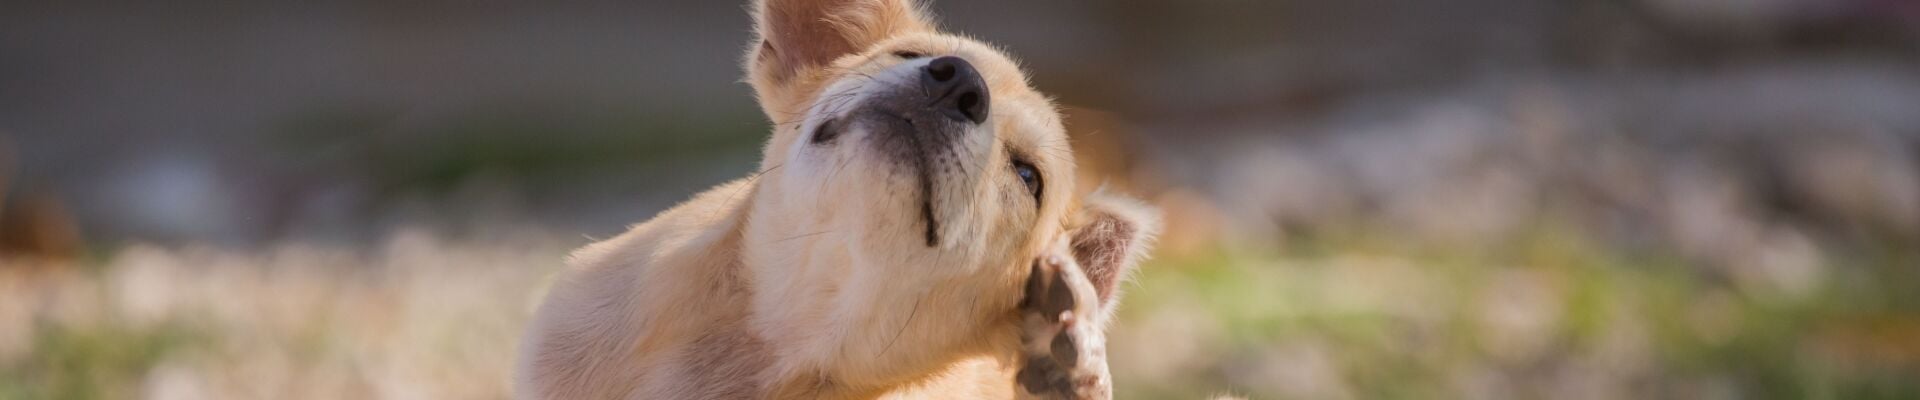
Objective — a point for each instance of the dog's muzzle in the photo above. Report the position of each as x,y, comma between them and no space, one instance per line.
921,124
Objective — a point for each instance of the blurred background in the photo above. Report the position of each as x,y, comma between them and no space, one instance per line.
1701,199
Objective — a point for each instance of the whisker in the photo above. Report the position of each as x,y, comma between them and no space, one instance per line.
751,180
804,235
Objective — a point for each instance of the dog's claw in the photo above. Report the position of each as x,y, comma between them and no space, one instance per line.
1063,351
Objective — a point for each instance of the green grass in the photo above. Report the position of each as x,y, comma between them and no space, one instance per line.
1405,321
101,361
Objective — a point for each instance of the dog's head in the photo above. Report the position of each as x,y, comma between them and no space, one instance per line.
906,157
923,141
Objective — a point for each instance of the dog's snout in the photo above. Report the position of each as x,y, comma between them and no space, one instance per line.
960,91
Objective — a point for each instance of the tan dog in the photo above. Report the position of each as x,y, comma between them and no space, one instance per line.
887,249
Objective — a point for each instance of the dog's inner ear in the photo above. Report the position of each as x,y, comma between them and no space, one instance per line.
1110,238
799,35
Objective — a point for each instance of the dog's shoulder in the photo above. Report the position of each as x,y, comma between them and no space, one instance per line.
623,304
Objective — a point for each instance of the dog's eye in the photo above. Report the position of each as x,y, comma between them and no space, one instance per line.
1029,176
825,132
907,54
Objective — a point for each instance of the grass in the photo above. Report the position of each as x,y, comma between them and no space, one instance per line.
1553,315
94,362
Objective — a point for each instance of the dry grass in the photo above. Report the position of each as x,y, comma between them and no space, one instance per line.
417,319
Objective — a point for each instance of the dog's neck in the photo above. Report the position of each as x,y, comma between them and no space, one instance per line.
841,319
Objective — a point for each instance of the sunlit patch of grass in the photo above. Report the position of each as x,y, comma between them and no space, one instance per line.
101,361
415,318
1550,315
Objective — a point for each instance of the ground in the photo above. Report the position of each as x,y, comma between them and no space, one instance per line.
1337,316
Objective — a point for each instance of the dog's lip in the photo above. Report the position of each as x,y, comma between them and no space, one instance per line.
924,173
926,213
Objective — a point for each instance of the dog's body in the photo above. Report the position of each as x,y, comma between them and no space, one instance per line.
911,181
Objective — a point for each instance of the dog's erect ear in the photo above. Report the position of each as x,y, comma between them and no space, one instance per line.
798,37
1110,236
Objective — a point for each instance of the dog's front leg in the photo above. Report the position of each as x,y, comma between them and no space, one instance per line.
1063,345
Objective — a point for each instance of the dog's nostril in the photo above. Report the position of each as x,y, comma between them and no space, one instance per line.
941,70
969,105
957,89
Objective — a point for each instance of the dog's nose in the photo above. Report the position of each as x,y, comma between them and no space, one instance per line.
960,91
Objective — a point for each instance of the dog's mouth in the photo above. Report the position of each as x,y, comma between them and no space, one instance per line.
926,214
917,145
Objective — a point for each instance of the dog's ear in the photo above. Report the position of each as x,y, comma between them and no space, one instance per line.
1110,236
798,37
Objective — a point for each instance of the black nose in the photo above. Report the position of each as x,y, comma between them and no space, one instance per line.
958,89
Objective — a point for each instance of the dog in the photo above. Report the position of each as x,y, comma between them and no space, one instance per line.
913,232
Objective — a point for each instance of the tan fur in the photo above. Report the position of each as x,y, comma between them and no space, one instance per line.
812,279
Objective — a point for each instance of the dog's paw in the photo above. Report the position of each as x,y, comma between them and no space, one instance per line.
1063,347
